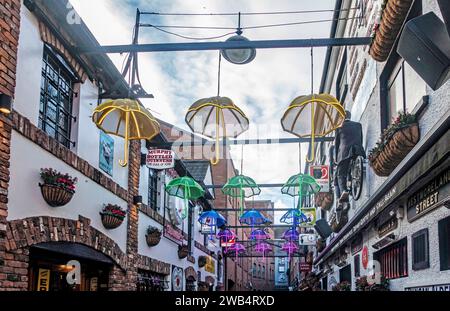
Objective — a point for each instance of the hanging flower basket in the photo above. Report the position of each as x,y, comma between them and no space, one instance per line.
324,200
153,236
112,216
201,261
395,143
183,251
57,189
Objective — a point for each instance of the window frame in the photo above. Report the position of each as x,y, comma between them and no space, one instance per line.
444,243
51,58
152,196
420,265
388,265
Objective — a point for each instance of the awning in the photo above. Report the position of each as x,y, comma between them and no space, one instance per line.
75,250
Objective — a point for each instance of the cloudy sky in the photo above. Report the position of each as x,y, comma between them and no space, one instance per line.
262,89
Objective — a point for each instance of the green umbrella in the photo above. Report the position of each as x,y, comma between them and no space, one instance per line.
185,188
300,185
241,186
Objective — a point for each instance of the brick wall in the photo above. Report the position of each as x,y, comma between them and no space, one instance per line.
9,37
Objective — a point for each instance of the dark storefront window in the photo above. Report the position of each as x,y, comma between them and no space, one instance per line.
393,260
345,274
152,189
356,265
151,281
444,243
420,250
55,107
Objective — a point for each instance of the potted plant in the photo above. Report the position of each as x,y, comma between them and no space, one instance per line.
394,144
362,284
153,236
343,286
183,251
57,188
201,261
112,216
324,200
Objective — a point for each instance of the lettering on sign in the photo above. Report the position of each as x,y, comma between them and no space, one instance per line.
321,175
430,288
387,226
427,198
160,159
43,280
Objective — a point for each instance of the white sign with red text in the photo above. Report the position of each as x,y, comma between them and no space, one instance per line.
321,173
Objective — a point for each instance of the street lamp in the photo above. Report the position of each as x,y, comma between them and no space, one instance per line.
5,103
239,56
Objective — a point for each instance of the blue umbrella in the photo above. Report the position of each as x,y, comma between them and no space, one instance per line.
293,217
253,217
212,218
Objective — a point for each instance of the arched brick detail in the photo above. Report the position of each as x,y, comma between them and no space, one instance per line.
23,233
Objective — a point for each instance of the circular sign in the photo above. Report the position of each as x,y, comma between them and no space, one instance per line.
365,257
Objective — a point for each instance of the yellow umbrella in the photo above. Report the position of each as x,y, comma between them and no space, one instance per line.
314,115
126,118
216,117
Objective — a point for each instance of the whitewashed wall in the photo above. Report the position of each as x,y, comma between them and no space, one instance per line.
25,198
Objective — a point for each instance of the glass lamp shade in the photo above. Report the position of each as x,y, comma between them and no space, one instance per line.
238,56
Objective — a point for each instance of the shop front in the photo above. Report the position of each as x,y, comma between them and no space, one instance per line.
64,266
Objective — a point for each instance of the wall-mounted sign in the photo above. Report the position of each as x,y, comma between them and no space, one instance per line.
43,280
305,267
177,279
310,214
228,243
210,265
428,197
356,244
207,229
387,226
160,159
307,239
430,288
106,153
173,234
321,174
365,257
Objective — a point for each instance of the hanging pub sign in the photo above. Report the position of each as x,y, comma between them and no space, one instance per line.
228,243
321,174
310,214
207,229
307,239
210,265
429,197
305,267
160,159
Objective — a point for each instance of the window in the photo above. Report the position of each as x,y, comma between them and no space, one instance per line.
356,265
393,260
420,250
345,274
444,243
56,98
153,189
405,89
341,81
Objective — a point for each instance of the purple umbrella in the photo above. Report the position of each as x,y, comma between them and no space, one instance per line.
263,248
225,236
237,248
289,247
291,234
259,234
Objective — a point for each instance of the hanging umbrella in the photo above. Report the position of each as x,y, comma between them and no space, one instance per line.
258,235
253,217
125,118
311,116
185,188
236,248
241,186
263,248
293,217
300,185
290,248
226,236
291,235
212,219
216,117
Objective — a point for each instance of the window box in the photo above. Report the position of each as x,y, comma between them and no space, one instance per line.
395,143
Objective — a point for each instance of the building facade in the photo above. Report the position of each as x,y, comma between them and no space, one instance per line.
398,226
55,91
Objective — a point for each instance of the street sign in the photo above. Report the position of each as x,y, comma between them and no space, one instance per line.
228,243
321,174
160,159
305,267
307,239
